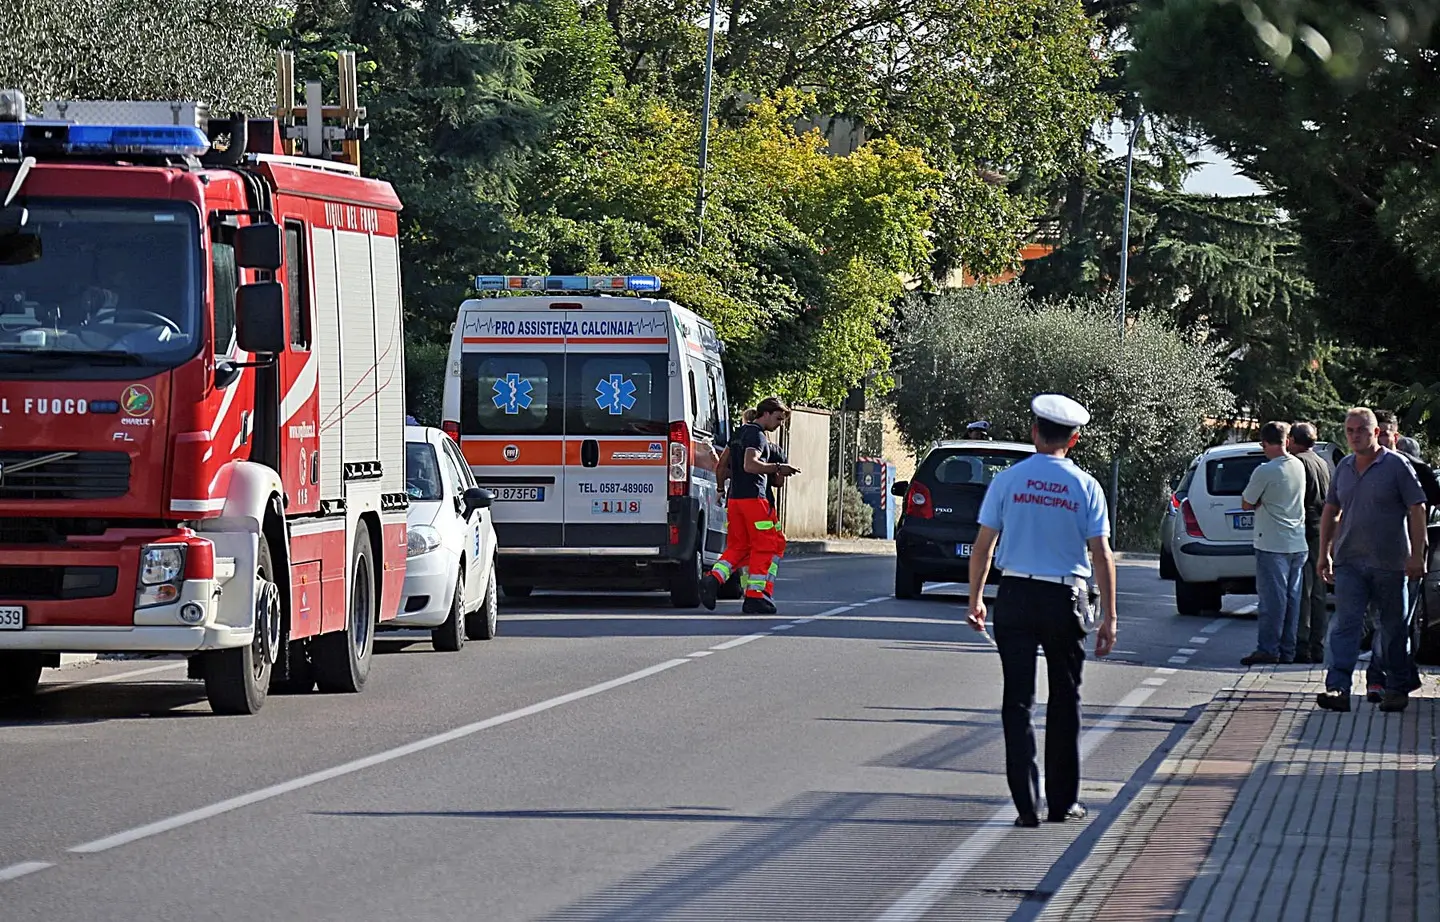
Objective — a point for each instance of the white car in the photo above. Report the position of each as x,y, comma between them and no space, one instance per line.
450,566
1207,542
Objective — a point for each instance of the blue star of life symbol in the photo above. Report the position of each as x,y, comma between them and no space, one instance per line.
616,394
512,394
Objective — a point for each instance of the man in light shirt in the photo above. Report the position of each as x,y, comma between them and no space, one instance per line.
1276,494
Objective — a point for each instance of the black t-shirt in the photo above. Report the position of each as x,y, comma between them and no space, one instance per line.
1426,476
743,484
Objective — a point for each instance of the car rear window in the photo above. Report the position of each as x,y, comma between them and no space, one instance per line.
618,394
422,472
512,394
959,467
1228,476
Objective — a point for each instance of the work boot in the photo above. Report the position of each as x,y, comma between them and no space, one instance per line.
1334,700
709,590
1373,693
757,606
1260,659
1394,701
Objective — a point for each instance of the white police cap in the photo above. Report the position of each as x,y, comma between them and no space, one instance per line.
1060,410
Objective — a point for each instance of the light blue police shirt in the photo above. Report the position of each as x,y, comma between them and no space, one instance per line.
1045,509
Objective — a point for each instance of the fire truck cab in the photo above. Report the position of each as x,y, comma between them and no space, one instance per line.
201,398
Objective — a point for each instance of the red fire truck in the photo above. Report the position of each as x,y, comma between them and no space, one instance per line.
201,394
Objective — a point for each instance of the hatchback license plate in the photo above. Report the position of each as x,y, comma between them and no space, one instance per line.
1244,521
519,494
12,618
963,550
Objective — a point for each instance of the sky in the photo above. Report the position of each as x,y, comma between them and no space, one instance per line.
1216,177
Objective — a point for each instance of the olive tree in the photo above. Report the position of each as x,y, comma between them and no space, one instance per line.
214,51
985,352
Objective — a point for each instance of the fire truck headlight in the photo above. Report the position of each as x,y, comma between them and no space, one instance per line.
161,564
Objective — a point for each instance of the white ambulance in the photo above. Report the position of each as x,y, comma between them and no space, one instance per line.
596,417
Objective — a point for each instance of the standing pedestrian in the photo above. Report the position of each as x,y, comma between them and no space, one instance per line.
1050,513
1276,494
1372,538
773,483
1314,610
753,538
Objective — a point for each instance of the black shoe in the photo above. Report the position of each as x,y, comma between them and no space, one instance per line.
1287,660
1415,684
1027,821
1374,693
754,606
1076,812
1334,700
1302,657
709,590
1394,701
1260,659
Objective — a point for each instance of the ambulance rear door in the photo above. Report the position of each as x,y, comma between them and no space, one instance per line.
512,420
619,374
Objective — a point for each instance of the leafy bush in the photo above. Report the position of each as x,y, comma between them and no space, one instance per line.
859,518
425,380
985,352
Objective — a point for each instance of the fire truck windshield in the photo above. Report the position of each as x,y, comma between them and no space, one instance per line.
117,279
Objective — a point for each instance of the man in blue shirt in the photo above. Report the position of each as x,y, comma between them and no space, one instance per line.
1049,514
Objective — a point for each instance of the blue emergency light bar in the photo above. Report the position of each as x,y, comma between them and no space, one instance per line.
567,283
36,137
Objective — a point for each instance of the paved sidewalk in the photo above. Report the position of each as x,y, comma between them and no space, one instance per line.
1271,809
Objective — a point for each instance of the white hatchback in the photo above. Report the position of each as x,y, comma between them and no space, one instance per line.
450,570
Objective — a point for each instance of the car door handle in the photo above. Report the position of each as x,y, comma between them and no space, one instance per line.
590,453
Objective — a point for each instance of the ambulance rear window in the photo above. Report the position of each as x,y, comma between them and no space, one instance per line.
619,395
508,394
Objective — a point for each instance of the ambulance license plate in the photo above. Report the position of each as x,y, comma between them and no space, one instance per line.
519,494
12,618
963,550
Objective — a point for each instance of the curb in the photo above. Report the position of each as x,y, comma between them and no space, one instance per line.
815,548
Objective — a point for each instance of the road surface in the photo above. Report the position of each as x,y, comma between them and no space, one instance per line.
605,758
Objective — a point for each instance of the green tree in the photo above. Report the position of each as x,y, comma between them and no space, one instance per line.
214,51
985,352
1335,116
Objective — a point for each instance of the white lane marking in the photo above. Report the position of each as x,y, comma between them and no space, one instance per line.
886,598
955,866
1248,609
349,768
838,611
739,642
23,868
1164,670
1178,660
1188,651
1198,640
699,653
1156,682
115,677
784,627
1215,626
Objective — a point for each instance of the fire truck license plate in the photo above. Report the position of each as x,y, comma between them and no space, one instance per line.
12,618
519,494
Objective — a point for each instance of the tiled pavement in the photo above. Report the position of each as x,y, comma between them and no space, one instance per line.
1271,809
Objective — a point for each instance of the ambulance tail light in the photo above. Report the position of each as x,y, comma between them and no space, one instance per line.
1192,524
679,459
917,502
451,428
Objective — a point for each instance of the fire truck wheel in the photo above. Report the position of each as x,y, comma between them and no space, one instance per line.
20,674
484,622
342,658
238,680
450,636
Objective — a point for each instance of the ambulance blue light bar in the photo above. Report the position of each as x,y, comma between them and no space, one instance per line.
567,283
102,140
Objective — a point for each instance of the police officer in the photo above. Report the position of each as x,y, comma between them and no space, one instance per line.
1050,513
978,430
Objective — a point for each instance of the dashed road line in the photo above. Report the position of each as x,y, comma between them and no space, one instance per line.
1188,651
1178,660
1215,626
1198,640
23,868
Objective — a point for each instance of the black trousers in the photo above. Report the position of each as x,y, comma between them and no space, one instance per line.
1031,615
1314,616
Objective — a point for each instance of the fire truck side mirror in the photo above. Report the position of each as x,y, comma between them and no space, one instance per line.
260,318
259,246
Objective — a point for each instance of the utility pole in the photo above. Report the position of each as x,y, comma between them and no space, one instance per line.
705,128
1120,313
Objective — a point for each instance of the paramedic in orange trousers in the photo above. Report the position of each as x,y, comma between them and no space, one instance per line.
774,482
753,538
